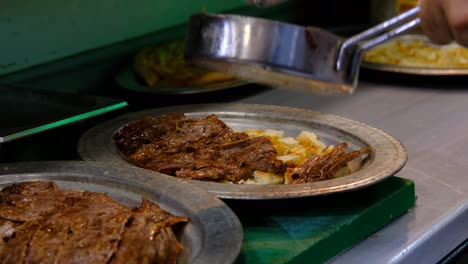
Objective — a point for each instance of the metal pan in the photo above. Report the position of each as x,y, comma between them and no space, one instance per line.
286,55
388,155
213,234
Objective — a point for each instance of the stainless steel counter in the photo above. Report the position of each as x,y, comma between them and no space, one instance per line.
432,122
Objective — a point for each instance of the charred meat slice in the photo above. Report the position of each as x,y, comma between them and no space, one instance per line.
256,153
32,200
347,158
27,189
7,229
15,246
233,161
86,230
213,170
316,168
167,247
134,135
200,149
39,223
323,167
143,239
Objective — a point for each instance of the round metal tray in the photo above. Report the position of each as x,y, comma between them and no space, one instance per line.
388,155
128,80
429,71
414,70
213,234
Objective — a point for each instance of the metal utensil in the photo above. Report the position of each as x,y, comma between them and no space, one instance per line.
286,55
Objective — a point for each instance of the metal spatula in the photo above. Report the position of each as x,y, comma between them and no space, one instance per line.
286,55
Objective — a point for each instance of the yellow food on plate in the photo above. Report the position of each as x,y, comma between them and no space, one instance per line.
165,65
418,53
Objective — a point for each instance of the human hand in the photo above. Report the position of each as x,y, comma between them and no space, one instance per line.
443,21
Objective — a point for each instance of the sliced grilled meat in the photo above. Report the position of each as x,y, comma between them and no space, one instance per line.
199,149
136,134
146,233
39,223
323,167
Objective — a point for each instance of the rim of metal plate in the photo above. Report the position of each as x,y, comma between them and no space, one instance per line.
213,235
414,70
387,158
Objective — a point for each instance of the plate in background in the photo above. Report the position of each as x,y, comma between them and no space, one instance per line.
128,80
415,70
212,235
388,155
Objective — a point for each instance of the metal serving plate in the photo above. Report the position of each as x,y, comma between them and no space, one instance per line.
128,80
388,155
414,70
430,71
213,234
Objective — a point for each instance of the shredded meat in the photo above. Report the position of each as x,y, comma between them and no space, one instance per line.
39,223
199,149
323,167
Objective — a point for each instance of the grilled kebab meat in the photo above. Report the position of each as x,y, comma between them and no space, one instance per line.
207,149
39,223
199,149
324,167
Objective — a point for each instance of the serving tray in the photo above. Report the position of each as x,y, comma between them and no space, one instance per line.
388,154
212,235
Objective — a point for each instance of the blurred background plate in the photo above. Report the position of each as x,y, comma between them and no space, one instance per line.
212,235
414,70
388,155
414,54
128,80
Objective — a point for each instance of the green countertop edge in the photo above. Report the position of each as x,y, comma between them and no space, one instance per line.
63,122
376,206
376,217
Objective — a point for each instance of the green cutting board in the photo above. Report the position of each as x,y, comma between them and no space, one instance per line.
313,230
